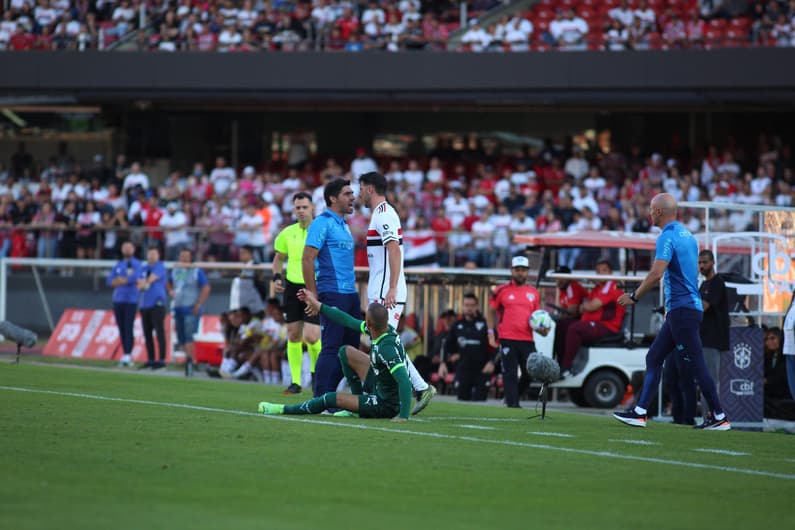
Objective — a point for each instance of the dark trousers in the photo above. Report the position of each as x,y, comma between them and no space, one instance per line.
153,320
125,318
328,372
681,385
679,336
513,354
561,327
471,383
577,334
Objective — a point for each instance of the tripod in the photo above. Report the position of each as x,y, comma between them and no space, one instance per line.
542,398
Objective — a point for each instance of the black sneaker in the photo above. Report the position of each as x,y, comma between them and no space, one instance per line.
630,417
293,389
711,424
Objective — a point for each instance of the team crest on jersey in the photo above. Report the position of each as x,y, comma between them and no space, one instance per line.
531,297
479,325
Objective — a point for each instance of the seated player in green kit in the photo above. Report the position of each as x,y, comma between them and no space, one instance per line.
379,381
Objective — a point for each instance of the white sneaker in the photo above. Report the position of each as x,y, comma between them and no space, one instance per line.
126,360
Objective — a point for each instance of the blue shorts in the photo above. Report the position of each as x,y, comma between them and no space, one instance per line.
187,325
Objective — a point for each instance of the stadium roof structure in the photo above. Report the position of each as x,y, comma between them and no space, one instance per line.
754,79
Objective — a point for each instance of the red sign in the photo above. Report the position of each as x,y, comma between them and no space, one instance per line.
93,334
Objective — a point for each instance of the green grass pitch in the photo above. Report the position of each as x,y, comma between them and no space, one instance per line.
84,449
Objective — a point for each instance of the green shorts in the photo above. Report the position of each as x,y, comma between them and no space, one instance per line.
372,406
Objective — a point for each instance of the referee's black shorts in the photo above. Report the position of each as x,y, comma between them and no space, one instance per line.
294,308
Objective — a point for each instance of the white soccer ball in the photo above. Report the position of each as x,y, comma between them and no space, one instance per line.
540,319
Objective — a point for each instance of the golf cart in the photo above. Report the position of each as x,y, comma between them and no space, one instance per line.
601,370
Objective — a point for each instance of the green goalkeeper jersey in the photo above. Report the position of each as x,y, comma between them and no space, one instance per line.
387,360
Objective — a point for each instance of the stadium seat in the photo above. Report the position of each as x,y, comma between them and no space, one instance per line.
655,41
713,38
596,41
740,23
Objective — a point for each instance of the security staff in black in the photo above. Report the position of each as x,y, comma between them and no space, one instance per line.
467,346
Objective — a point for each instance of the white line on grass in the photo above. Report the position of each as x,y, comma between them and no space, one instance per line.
392,430
553,434
634,442
478,427
721,452
472,418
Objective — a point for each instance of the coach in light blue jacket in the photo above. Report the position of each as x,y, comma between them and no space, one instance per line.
123,278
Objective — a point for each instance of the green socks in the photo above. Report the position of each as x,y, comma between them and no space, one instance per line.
314,405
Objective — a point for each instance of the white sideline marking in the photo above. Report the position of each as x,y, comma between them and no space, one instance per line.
634,442
471,418
392,430
554,434
721,452
479,427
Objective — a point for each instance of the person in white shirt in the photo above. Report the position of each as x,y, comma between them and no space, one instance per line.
412,14
594,181
135,177
729,166
456,208
623,13
373,14
521,225
44,14
435,174
576,166
362,164
247,15
251,224
387,283
413,177
395,175
476,37
482,237
229,38
516,39
123,16
646,15
570,32
501,221
70,25
583,199
174,222
760,185
616,37
222,177
502,188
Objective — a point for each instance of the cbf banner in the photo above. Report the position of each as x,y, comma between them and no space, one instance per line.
741,376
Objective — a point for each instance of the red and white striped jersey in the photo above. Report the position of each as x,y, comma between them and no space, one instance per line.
384,227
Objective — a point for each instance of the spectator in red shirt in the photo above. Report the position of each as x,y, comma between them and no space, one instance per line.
571,295
600,316
553,176
20,41
347,24
44,41
152,214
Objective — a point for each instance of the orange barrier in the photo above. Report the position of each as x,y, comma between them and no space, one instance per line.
93,334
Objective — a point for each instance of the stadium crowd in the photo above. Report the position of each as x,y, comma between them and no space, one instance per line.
458,207
392,25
